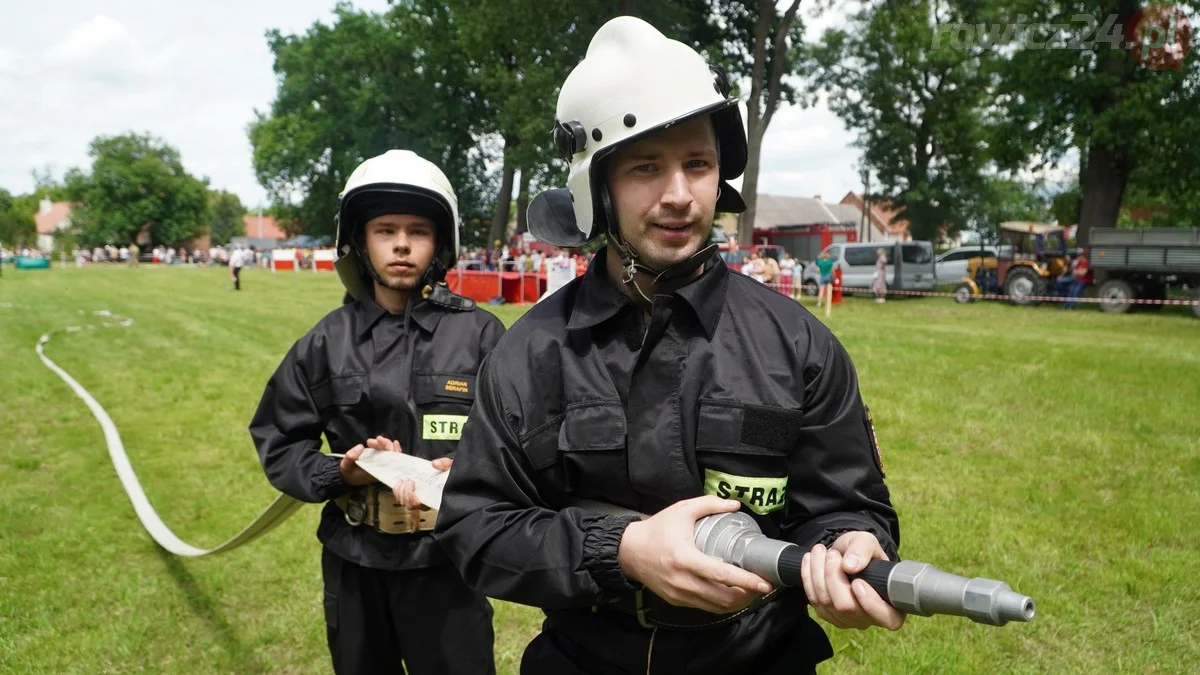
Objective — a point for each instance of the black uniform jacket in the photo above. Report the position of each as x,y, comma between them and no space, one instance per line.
726,388
363,372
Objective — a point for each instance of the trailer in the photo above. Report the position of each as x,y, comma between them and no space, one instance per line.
1143,263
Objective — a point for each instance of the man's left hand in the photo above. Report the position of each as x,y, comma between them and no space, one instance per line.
836,600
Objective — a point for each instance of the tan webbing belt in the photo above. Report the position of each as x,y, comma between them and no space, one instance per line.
376,507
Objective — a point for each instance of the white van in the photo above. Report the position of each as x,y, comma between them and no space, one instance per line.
910,264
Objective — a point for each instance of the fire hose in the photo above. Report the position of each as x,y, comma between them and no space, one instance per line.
909,586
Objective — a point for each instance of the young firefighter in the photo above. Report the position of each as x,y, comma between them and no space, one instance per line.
398,362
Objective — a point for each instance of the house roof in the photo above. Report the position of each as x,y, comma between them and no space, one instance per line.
774,211
882,213
270,227
846,213
48,222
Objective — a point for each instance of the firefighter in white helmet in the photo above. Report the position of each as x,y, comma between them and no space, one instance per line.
661,383
392,369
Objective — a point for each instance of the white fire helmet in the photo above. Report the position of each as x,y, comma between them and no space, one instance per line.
633,81
396,182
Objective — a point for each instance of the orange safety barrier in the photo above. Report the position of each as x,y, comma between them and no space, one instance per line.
514,287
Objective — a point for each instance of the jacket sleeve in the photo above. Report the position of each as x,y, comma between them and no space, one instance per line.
499,532
836,482
287,431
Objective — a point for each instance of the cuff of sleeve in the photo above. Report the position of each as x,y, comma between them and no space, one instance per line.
601,540
885,542
328,479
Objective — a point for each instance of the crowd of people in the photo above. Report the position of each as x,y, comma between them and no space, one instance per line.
520,258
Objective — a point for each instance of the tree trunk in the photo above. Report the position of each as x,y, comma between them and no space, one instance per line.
523,202
503,199
1107,165
750,187
1103,189
763,102
754,120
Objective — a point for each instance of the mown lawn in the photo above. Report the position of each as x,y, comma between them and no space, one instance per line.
1058,451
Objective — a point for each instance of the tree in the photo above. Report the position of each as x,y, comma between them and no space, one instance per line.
1129,111
758,44
916,102
137,183
1064,206
367,84
17,226
1001,199
227,213
518,52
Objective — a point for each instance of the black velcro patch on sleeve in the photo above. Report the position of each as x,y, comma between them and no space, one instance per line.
774,428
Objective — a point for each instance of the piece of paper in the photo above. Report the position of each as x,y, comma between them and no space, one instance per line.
390,467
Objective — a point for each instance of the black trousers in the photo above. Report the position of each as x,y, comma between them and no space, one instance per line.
237,278
426,620
553,653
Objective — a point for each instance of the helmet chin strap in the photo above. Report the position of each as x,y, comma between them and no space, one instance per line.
434,275
629,256
365,261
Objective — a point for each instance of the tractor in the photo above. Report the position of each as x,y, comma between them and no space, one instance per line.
1031,256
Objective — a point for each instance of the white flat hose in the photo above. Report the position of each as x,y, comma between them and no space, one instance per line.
381,465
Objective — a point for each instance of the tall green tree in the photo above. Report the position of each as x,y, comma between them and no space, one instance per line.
366,84
518,52
917,105
1130,112
227,213
137,182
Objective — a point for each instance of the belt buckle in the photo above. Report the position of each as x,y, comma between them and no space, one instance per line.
356,509
639,608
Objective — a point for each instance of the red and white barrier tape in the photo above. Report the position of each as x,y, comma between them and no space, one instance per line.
1033,298
1000,296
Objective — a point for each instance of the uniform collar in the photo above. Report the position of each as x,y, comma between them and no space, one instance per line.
368,313
706,295
421,312
598,300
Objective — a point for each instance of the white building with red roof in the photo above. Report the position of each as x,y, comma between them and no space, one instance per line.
51,218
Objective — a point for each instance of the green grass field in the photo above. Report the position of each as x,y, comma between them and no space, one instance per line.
1058,451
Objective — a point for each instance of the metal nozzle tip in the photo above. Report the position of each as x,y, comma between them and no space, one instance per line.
1015,607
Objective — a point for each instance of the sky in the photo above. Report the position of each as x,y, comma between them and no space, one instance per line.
193,74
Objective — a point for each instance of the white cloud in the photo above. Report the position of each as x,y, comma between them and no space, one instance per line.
96,35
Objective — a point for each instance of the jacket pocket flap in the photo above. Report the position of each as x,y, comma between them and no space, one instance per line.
594,425
338,390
